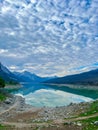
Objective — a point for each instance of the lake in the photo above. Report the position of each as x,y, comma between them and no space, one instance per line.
39,95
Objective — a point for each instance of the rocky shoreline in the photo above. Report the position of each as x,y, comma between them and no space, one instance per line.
14,105
14,111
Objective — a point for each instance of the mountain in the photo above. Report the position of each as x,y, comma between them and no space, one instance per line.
7,75
90,78
29,77
25,76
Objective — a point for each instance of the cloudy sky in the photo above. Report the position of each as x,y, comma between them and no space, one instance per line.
49,37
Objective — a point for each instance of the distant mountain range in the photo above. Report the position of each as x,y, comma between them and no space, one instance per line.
25,76
86,78
29,77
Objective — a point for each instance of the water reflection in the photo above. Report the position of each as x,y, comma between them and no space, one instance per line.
46,95
52,98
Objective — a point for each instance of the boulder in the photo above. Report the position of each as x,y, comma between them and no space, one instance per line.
8,101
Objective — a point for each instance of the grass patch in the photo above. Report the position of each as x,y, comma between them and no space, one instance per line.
2,127
2,97
92,109
7,127
88,124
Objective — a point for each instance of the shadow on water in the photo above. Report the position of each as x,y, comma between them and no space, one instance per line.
31,88
79,91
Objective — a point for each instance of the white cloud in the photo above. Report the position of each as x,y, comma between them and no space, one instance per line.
2,51
13,68
61,32
60,97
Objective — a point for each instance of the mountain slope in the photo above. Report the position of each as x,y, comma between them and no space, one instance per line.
6,74
90,77
29,77
25,76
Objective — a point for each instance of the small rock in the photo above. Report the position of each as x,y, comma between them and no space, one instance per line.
8,101
0,120
68,123
20,120
79,124
45,111
96,123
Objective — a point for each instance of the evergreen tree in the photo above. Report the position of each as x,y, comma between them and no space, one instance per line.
2,83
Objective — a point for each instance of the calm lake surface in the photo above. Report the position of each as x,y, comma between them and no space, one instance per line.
51,95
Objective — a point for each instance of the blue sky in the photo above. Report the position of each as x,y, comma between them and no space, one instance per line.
49,37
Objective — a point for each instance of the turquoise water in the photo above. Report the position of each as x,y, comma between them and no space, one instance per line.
46,95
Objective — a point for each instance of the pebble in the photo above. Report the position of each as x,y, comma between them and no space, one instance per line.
96,123
79,124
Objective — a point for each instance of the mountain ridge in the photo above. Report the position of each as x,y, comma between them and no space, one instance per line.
6,74
90,77
24,76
